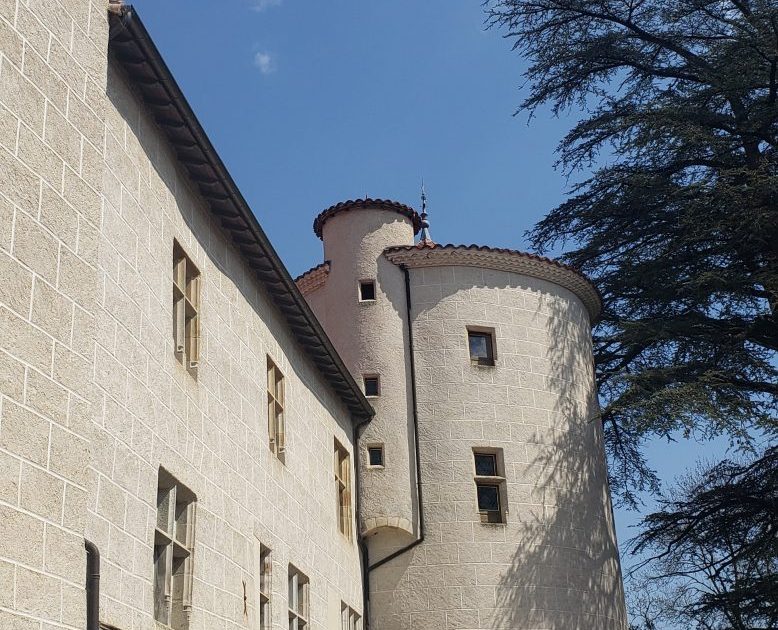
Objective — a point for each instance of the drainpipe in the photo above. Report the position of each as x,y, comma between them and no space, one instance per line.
92,586
420,539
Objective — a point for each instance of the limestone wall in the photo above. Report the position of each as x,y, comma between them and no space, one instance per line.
554,563
52,82
93,400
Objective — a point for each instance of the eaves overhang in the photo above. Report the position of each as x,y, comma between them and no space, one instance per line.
132,47
431,254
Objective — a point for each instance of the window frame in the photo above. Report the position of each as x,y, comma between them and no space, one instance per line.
371,377
491,346
350,619
382,450
496,481
298,598
342,465
173,552
276,410
367,282
187,281
265,588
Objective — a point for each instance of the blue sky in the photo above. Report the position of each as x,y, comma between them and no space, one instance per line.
311,103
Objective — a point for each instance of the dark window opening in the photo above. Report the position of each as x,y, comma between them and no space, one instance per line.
481,346
485,464
489,503
371,386
375,455
367,291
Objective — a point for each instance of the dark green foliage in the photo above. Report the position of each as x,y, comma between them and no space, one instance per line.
678,224
714,549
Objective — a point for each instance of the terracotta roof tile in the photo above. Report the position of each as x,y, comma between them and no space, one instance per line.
361,204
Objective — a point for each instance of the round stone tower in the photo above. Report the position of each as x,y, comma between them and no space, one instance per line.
514,526
360,298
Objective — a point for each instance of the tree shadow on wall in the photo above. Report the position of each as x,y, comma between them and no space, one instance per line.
564,573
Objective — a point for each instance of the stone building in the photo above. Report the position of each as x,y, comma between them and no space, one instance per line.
185,439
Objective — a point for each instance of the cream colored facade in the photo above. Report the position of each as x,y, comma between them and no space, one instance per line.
553,562
102,169
94,400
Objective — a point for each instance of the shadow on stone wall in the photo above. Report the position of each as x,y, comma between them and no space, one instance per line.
565,571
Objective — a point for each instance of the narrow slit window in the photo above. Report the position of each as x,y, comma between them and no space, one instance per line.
275,410
372,385
490,486
375,456
349,618
265,587
173,548
367,291
481,346
343,489
298,600
186,308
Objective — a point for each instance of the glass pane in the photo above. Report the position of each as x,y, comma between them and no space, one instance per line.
376,456
182,521
485,464
488,498
164,516
371,386
479,346
161,608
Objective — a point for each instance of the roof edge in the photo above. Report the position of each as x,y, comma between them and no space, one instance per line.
134,49
363,204
433,255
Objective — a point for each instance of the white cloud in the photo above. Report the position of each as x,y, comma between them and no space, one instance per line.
265,62
261,5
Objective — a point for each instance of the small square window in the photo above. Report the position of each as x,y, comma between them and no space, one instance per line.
375,456
367,291
489,503
481,345
485,464
372,386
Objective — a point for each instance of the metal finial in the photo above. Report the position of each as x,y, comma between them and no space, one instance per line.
424,236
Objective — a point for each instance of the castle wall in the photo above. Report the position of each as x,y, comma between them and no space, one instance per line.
93,400
554,563
210,432
52,82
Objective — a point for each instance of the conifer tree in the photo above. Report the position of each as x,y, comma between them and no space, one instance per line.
677,222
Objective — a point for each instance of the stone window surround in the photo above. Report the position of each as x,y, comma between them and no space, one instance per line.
367,283
342,466
497,481
349,618
298,599
377,446
186,309
491,335
275,410
265,587
372,377
173,552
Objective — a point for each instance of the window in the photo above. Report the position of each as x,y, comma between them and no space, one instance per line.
481,344
490,485
275,410
186,302
265,587
367,291
375,456
298,599
372,385
349,619
173,546
343,489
